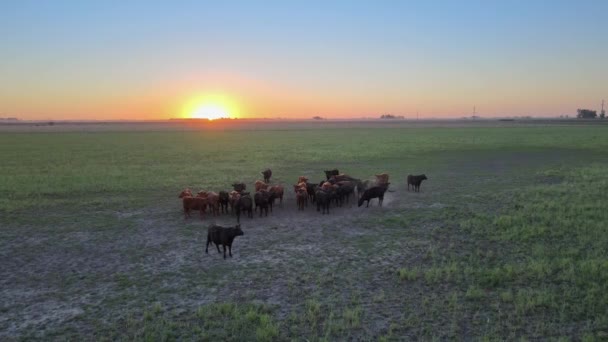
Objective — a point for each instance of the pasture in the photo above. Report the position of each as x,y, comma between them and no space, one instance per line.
508,238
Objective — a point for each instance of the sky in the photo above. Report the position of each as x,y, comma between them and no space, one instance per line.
111,60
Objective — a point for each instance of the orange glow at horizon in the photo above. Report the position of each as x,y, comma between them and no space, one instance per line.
211,107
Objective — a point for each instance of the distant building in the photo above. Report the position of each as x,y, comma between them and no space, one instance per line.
586,114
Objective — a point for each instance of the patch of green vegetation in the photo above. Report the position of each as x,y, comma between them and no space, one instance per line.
213,322
541,264
408,273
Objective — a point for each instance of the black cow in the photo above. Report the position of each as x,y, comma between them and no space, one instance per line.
323,199
362,186
374,192
245,203
345,189
267,174
224,236
262,199
330,173
415,181
239,187
311,189
224,200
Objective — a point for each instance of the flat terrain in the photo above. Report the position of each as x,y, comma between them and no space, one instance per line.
507,239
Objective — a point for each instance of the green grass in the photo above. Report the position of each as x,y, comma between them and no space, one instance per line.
124,168
213,322
507,240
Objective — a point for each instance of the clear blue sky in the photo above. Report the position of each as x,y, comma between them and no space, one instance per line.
142,59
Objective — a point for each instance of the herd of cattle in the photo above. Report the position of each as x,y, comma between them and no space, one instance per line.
336,189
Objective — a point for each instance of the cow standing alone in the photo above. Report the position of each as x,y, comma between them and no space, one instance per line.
224,236
415,182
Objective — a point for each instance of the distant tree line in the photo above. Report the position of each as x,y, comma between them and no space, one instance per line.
586,114
390,116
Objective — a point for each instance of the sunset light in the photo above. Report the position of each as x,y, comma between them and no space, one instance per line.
210,107
210,112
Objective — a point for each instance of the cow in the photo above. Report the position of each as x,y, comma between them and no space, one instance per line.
323,199
374,192
267,174
276,191
244,204
341,178
345,190
190,202
213,201
362,186
224,201
301,198
261,199
415,181
233,197
330,173
327,186
382,179
259,185
222,236
311,189
239,187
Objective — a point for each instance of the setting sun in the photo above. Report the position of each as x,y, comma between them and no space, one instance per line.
210,107
210,112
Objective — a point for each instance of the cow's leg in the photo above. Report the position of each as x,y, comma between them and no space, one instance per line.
207,247
224,246
230,250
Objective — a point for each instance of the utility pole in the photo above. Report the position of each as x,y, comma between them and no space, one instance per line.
603,112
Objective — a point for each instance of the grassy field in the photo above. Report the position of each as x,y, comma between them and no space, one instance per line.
508,238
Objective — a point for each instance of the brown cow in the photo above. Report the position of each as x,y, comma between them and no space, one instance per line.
213,200
382,179
192,203
327,186
301,198
302,179
233,197
260,185
277,191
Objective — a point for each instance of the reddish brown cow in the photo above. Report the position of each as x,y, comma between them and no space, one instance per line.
301,198
278,192
192,203
233,199
260,185
327,186
213,201
382,179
